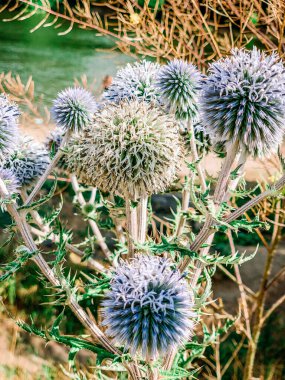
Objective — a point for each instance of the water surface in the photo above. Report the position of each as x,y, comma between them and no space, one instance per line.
54,61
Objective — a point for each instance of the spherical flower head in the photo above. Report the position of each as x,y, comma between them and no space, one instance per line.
149,307
179,83
10,180
131,147
135,81
28,161
243,100
73,109
9,114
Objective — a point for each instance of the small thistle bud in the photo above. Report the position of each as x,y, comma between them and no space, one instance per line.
54,139
28,161
73,109
53,143
131,147
149,307
134,81
203,142
9,114
10,180
179,84
88,209
243,99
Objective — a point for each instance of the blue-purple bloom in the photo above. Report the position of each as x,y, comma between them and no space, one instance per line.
73,109
179,83
9,114
135,81
149,307
243,99
28,161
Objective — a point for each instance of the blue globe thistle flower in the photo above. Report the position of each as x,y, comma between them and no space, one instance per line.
149,307
28,161
73,109
243,99
179,83
9,113
10,180
134,81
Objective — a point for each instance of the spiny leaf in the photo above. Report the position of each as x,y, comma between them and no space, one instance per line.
54,214
236,172
23,255
76,344
166,246
237,258
178,373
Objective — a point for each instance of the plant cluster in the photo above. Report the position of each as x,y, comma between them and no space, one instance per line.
149,290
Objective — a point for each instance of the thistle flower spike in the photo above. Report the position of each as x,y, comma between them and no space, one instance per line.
9,114
73,109
28,161
149,308
131,147
243,98
135,81
179,83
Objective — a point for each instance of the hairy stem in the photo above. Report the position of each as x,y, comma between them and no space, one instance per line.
49,169
274,191
219,194
142,219
131,216
201,176
93,225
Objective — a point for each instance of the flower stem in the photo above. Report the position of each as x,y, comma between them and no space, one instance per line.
201,175
131,216
219,194
142,219
46,231
195,155
92,223
49,169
